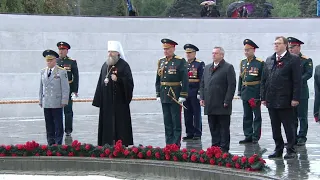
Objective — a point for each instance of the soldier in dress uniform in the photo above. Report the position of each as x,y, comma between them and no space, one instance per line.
73,76
53,96
172,90
249,91
301,110
192,115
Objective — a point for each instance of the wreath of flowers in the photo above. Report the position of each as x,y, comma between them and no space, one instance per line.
212,156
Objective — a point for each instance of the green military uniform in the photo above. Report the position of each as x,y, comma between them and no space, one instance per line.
302,108
172,80
73,76
248,89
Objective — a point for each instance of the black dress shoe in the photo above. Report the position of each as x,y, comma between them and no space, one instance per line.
187,138
276,154
290,155
245,141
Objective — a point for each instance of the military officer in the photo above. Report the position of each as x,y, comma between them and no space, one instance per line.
302,108
249,91
192,115
172,90
73,76
53,96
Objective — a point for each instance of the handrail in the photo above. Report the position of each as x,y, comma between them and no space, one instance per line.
75,100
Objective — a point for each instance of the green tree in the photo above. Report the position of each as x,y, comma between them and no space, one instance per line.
3,6
59,7
258,7
288,9
33,6
184,8
121,8
308,8
15,6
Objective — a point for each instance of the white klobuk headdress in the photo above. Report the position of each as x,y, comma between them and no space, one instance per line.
116,46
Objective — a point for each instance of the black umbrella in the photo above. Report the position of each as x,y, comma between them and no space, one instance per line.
269,5
233,6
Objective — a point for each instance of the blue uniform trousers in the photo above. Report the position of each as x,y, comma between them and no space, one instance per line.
192,117
54,125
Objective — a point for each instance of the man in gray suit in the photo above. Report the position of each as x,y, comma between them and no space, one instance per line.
53,96
217,88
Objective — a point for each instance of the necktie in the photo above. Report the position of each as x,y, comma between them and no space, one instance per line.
49,72
279,57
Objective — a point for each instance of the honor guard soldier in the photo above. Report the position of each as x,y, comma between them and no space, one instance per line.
192,115
171,88
302,108
73,76
53,96
249,91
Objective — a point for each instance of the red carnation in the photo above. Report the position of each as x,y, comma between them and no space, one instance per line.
77,148
64,147
115,153
58,154
37,154
235,158
8,148
157,155
107,151
243,160
201,160
102,155
201,151
194,158
185,156
237,166
135,150
167,156
219,164
49,153
71,154
262,160
126,152
225,155
175,158
193,150
218,155
20,146
251,160
140,155
209,154
87,147
44,147
252,103
2,154
249,169
190,74
228,165
150,147
110,156
99,147
92,155
13,155
184,150
149,153
212,162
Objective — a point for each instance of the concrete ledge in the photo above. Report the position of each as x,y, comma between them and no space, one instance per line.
147,167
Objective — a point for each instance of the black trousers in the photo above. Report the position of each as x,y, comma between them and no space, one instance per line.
287,118
54,125
220,131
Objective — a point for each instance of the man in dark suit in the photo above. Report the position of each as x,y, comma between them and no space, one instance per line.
217,88
280,93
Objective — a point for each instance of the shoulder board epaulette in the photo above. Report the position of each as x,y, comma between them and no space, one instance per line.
197,60
44,68
178,57
60,67
304,57
71,59
260,60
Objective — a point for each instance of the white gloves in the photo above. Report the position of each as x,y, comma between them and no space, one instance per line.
158,98
181,99
198,96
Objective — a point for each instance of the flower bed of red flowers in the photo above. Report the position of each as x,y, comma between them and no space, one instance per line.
212,156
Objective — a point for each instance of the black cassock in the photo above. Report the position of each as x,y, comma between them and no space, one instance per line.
113,101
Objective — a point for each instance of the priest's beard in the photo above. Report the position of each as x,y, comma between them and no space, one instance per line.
112,60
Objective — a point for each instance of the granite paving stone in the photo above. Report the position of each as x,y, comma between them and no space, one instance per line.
148,129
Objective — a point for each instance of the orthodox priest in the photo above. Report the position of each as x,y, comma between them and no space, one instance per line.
113,96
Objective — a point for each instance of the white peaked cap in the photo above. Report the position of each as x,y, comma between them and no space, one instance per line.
116,46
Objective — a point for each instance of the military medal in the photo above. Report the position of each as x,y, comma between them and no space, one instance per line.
106,80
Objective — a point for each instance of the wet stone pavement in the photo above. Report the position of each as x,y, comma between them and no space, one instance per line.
149,130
